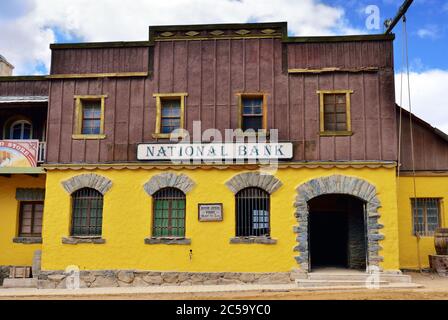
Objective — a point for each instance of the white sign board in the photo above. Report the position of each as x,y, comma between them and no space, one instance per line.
215,151
210,211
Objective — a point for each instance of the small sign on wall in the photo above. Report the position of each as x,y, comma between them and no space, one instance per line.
210,211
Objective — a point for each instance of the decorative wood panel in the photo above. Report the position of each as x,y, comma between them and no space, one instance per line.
212,72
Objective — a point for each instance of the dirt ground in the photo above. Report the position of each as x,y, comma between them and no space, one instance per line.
435,288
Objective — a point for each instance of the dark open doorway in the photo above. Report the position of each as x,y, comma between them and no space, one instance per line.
337,235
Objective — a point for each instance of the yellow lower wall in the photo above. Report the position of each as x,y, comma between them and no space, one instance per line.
15,253
426,187
127,221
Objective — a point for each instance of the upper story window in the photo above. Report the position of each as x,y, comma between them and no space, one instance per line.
252,109
87,212
252,212
426,215
170,113
89,117
20,130
335,112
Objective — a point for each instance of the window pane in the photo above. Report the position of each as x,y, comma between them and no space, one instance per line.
87,212
341,126
329,98
252,206
169,213
252,113
91,127
91,117
255,123
340,98
426,215
341,108
170,108
329,108
17,132
330,126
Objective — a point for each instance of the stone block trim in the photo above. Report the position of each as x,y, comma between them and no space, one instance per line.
267,182
185,241
30,194
77,240
338,184
27,240
135,278
169,179
248,240
88,180
4,273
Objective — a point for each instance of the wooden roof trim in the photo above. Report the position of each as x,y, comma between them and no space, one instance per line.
99,75
332,69
115,44
348,38
170,166
225,26
22,78
425,124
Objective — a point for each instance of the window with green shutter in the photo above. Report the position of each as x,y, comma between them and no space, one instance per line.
87,212
169,213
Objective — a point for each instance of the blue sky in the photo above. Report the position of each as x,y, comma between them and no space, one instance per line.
27,27
426,25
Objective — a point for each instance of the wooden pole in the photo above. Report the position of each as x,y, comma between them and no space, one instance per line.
404,7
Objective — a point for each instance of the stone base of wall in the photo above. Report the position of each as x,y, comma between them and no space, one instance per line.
4,273
131,278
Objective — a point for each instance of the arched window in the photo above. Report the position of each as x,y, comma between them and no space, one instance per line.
252,212
168,213
87,212
21,130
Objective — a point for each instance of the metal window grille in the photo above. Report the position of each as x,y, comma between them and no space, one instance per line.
91,117
31,213
169,213
170,118
252,113
426,215
87,214
252,212
335,112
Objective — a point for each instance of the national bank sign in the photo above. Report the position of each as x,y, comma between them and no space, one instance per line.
215,151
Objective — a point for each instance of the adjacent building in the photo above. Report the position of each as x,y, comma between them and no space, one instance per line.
87,174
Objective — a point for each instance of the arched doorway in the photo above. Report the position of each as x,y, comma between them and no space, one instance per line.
337,232
338,185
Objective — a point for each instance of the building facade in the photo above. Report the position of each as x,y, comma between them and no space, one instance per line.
107,197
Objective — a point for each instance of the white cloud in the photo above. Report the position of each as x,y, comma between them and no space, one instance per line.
428,92
430,31
24,40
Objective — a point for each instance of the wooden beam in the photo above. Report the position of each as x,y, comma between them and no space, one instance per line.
401,12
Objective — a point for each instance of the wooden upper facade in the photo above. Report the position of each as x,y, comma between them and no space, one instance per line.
212,65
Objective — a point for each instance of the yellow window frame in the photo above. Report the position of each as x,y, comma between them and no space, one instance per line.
77,134
322,130
161,96
240,97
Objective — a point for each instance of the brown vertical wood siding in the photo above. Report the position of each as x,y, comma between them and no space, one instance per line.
24,88
99,60
212,72
430,149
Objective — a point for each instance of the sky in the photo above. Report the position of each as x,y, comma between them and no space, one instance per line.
27,27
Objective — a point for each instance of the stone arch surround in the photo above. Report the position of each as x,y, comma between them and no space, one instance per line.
338,184
88,180
267,182
169,179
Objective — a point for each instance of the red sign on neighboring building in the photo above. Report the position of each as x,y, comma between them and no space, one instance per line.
18,153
